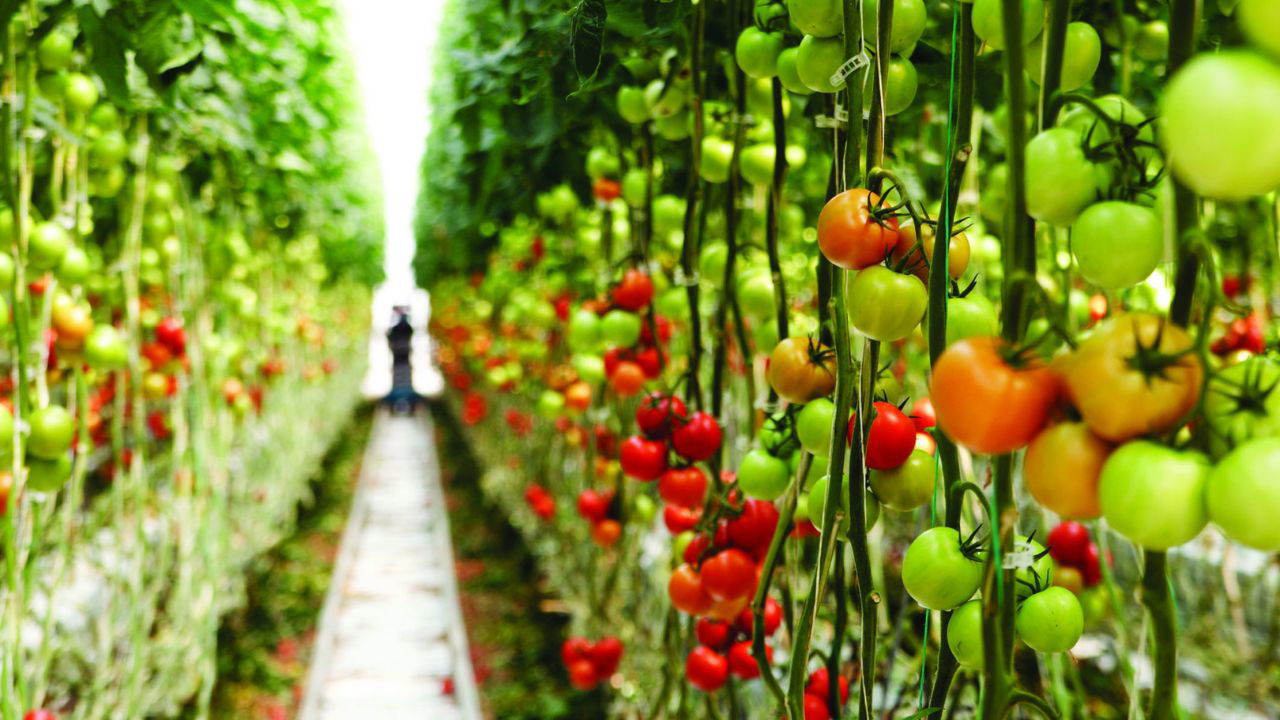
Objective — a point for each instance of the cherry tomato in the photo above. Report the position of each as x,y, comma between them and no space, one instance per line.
687,592
685,486
728,574
706,669
801,369
1050,621
763,476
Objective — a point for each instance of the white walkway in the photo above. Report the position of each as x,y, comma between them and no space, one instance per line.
391,638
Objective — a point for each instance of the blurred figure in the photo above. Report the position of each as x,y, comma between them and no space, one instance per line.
402,399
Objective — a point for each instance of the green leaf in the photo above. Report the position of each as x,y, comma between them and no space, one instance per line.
923,713
107,39
586,37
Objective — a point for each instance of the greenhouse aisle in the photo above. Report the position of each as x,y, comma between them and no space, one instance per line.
391,642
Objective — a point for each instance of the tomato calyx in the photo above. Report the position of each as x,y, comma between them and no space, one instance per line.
1037,583
783,425
973,546
1152,362
1251,394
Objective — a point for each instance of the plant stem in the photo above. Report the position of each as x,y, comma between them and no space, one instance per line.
785,516
1055,33
775,206
693,199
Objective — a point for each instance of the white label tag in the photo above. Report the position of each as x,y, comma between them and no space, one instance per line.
1020,558
683,280
849,67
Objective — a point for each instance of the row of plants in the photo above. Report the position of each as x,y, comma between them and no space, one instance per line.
188,243
874,358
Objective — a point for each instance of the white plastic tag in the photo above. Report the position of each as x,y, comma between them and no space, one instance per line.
849,67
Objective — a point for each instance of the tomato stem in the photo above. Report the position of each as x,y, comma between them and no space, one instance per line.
693,204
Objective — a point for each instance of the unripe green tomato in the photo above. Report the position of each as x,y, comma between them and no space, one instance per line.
711,263
756,164
988,22
674,127
764,334
589,367
620,328
48,475
602,162
52,430
632,105
820,18
1152,41
1050,621
55,51
75,266
763,476
644,509
964,635
109,148
1080,58
788,74
757,52
900,85
105,117
52,85
755,292
46,246
668,214
817,59
817,503
906,22
584,331
665,99
635,184
717,153
105,348
80,92
6,268
813,426
908,486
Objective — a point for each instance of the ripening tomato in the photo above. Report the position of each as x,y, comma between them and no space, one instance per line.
885,305
686,590
578,396
706,669
684,486
1065,576
1050,621
606,532
1133,375
728,574
937,573
606,189
801,369
698,438
964,635
916,260
986,403
1154,495
851,235
1244,492
763,476
1061,469
628,379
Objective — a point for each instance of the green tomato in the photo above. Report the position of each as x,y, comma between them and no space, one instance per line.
711,263
55,51
620,328
970,316
668,214
885,305
6,268
75,266
80,92
550,404
764,334
52,430
908,486
816,502
936,573
589,367
1218,122
1258,20
602,162
105,348
717,154
1079,60
988,22
1154,495
763,476
1152,41
584,331
1117,244
6,431
817,59
757,52
635,186
49,241
674,127
755,292
632,105
1244,492
906,21
820,18
672,303
1039,573
964,635
48,475
788,74
756,163
813,426
1060,180
775,436
1050,621
644,509
1243,402
665,99
900,84
1084,121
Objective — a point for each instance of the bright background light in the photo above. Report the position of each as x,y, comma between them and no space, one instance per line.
393,45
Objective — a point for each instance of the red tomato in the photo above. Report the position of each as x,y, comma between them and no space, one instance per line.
820,685
643,459
171,334
712,633
693,551
815,708
634,292
573,649
849,234
772,617
706,669
754,528
628,378
679,519
606,189
658,413
1068,543
606,532
890,439
605,654
1091,568
582,674
650,361
742,660
686,591
729,574
686,486
699,438
922,414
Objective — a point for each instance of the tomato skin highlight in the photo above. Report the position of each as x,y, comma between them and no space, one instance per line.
1061,470
849,236
985,404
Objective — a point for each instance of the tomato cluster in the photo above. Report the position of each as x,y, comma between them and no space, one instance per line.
591,663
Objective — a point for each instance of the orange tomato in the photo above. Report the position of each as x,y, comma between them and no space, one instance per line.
627,379
606,532
1061,470
686,591
801,369
727,610
578,396
849,234
987,404
917,259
